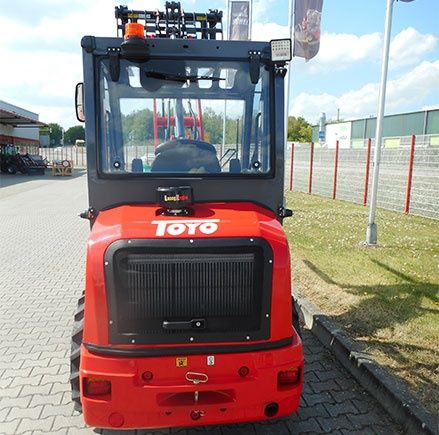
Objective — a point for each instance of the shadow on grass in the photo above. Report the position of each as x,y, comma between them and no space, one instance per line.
385,306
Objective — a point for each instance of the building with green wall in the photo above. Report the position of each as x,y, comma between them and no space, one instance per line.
394,127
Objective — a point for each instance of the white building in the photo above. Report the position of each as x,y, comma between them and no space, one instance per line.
18,126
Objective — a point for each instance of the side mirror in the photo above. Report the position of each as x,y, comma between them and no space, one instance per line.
79,102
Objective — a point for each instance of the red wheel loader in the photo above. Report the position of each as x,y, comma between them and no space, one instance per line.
187,316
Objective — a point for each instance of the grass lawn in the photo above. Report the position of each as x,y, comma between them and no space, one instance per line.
386,297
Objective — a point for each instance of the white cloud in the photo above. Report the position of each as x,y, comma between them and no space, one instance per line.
339,51
268,31
409,46
44,58
430,107
260,9
403,93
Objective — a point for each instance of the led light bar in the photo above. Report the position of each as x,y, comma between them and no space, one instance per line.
280,50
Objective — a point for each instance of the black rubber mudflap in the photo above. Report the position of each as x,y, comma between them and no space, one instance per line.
296,322
75,356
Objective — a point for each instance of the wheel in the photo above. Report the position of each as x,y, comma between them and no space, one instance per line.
11,169
75,355
296,322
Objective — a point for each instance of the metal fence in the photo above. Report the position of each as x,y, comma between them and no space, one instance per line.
408,181
409,174
78,155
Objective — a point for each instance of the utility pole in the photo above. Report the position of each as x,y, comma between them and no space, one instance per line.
371,232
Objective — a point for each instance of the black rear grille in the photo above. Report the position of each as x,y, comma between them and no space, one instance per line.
159,291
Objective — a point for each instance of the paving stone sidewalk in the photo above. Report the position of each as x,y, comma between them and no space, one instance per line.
41,276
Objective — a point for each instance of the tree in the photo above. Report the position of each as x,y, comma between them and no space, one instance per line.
299,130
74,133
137,127
55,134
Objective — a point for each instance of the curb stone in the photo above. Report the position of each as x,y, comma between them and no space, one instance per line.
389,391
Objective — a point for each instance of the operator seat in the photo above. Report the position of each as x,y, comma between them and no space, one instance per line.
186,156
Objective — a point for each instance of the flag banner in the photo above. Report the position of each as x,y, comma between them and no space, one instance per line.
239,20
307,17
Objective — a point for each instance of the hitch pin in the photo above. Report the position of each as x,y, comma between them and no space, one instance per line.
196,378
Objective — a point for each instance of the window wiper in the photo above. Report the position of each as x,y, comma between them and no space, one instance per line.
179,77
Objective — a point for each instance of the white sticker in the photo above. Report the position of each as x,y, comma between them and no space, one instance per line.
211,360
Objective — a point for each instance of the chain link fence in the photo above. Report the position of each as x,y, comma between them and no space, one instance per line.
408,180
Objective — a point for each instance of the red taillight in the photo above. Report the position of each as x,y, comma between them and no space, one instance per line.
243,371
147,376
96,387
288,377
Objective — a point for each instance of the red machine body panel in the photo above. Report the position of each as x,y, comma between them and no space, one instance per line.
167,400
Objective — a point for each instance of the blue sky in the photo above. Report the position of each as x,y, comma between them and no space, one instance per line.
41,57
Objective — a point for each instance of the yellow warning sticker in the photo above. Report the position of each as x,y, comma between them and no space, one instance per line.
181,361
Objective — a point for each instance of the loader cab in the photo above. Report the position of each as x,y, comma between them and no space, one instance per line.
163,112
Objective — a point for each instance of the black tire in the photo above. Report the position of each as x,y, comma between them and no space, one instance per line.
11,169
75,355
296,321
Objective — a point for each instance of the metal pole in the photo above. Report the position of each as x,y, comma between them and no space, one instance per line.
250,21
223,142
366,176
155,124
371,232
287,96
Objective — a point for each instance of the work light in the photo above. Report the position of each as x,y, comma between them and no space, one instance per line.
280,50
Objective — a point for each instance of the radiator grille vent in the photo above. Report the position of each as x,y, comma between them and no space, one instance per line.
224,288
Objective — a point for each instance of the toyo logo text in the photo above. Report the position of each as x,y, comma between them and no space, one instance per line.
189,227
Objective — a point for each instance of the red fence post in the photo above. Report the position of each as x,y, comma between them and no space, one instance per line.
334,187
155,124
366,176
200,119
291,167
311,160
410,175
